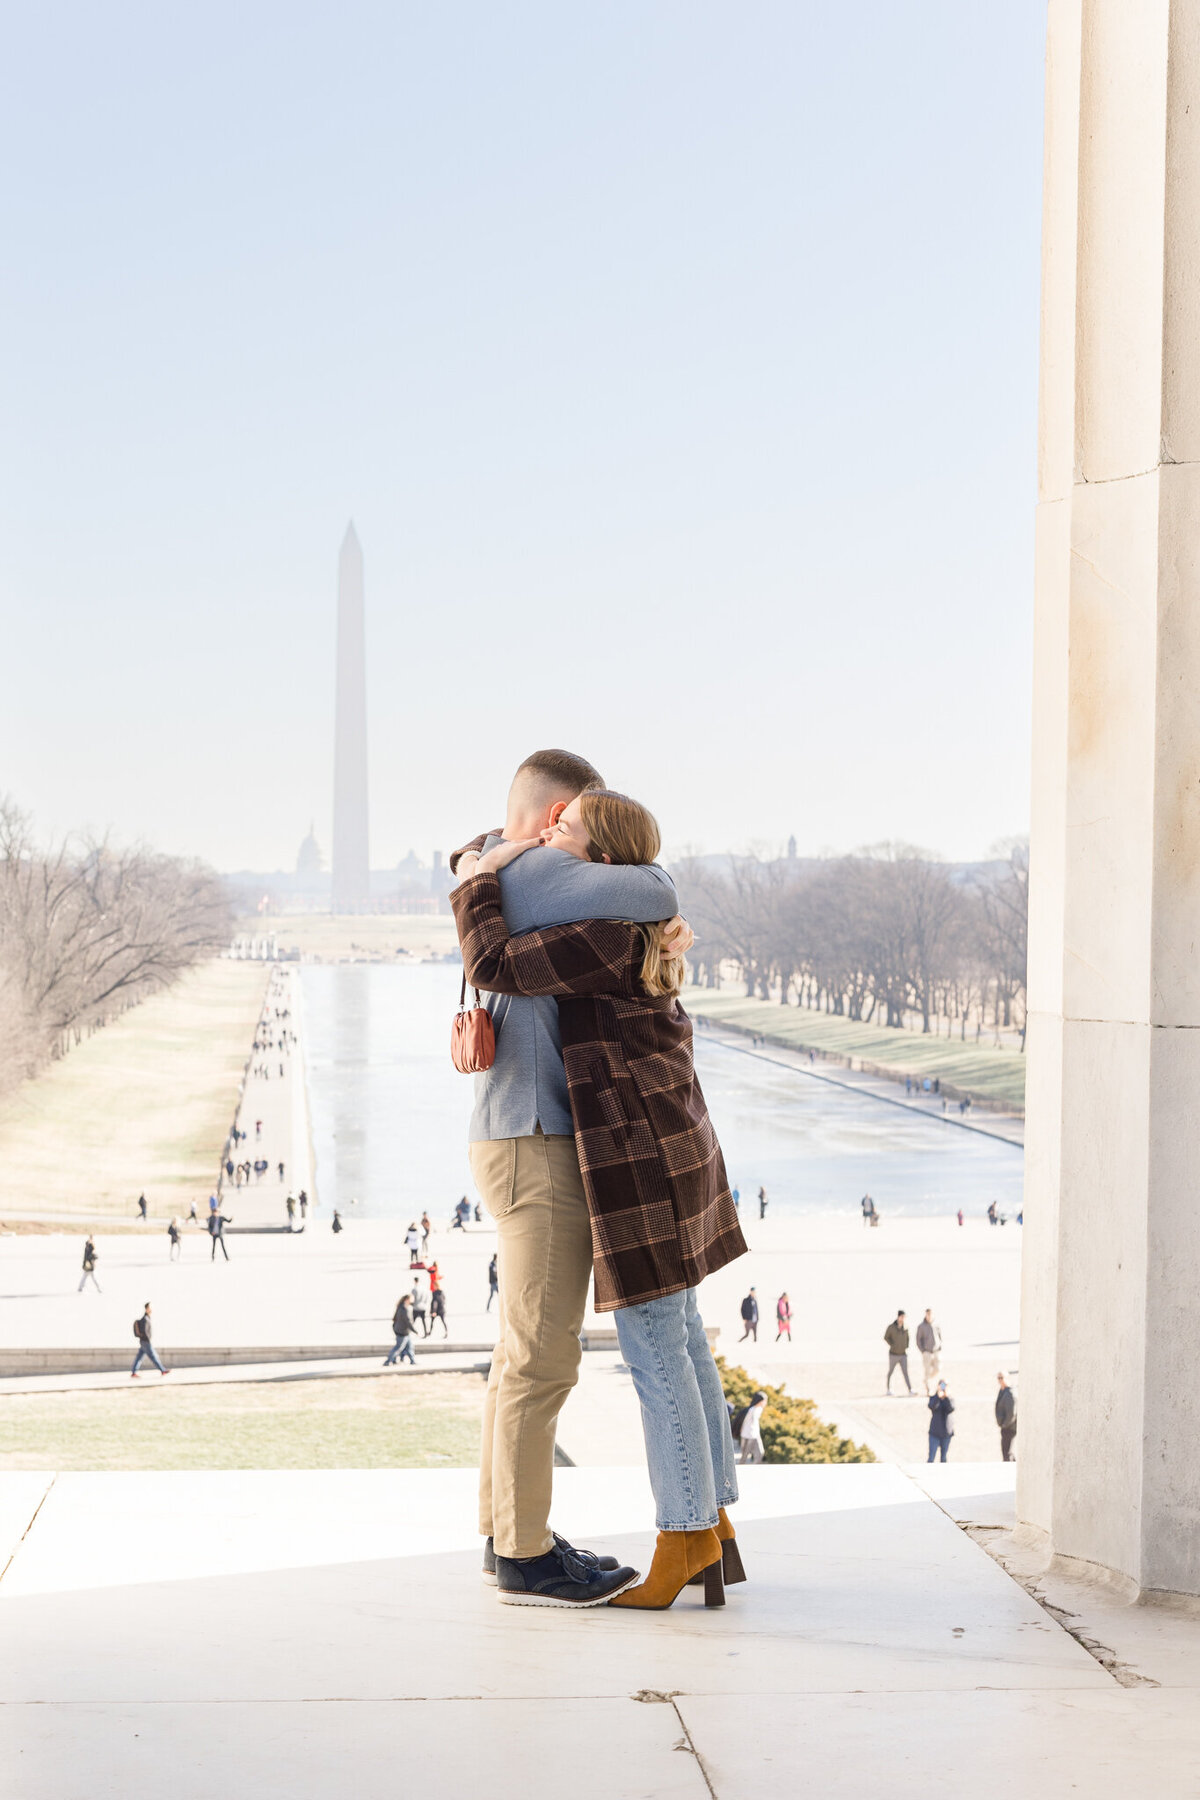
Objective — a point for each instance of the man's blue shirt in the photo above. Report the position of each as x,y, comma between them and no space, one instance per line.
526,1086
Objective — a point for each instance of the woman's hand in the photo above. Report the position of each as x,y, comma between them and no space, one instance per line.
500,855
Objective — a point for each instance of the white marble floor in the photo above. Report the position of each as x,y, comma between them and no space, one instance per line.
305,1634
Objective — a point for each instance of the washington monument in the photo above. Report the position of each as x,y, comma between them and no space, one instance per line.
351,881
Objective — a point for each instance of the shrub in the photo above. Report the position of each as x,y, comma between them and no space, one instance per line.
791,1430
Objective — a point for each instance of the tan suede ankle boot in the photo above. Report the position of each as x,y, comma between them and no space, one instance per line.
678,1557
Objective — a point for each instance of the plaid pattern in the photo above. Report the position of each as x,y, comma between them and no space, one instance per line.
661,1211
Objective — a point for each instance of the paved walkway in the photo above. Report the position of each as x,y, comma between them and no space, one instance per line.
295,1635
1009,1128
274,1112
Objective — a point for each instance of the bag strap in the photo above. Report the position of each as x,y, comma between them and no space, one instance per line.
462,993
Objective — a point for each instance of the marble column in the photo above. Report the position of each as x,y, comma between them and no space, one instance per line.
1109,1409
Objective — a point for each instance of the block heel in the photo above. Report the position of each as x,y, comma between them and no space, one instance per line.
731,1562
714,1585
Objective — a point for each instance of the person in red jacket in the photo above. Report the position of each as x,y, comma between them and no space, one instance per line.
783,1318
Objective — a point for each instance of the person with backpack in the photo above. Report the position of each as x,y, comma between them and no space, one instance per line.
89,1266
940,1428
750,1317
746,1426
141,1331
402,1326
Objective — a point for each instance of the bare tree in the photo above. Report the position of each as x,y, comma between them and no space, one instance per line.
87,929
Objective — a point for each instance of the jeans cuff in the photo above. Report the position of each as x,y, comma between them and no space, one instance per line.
690,1525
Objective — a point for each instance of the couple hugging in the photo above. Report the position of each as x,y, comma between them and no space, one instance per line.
591,1146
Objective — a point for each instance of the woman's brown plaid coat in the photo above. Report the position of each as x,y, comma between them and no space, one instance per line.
662,1214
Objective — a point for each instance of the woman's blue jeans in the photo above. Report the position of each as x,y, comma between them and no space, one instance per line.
689,1448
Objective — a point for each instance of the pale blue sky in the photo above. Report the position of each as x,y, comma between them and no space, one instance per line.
677,363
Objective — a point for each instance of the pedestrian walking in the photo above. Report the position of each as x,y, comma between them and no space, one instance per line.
142,1207
89,1267
1006,1417
176,1237
941,1430
402,1327
281,1167
141,1331
750,1317
258,1128
426,1228
216,1231
960,1216
783,1318
896,1339
303,1198
337,1222
493,1284
749,1429
291,1212
412,1243
868,1207
762,1203
418,1308
193,1215
437,1310
214,1205
929,1343
737,1199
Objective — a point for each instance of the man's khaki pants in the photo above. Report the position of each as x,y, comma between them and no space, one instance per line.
533,1189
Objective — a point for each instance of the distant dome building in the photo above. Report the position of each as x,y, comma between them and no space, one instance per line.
309,860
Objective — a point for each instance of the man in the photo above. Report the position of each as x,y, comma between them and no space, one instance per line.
89,1266
526,1169
1006,1417
896,1339
217,1222
418,1307
929,1343
141,1331
426,1228
402,1328
762,1202
143,1209
303,1205
750,1317
493,1284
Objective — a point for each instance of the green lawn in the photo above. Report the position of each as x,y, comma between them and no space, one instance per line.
978,1070
362,1422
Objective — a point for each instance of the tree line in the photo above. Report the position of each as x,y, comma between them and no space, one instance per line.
87,929
890,935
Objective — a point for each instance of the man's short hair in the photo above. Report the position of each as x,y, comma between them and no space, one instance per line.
561,769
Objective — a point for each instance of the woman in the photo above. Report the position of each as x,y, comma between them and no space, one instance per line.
661,1212
940,1428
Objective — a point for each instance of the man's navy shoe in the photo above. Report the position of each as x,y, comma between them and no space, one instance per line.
563,1577
601,1562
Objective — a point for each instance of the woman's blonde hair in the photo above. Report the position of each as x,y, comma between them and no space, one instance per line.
625,831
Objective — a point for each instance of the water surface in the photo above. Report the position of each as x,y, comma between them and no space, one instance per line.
390,1115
